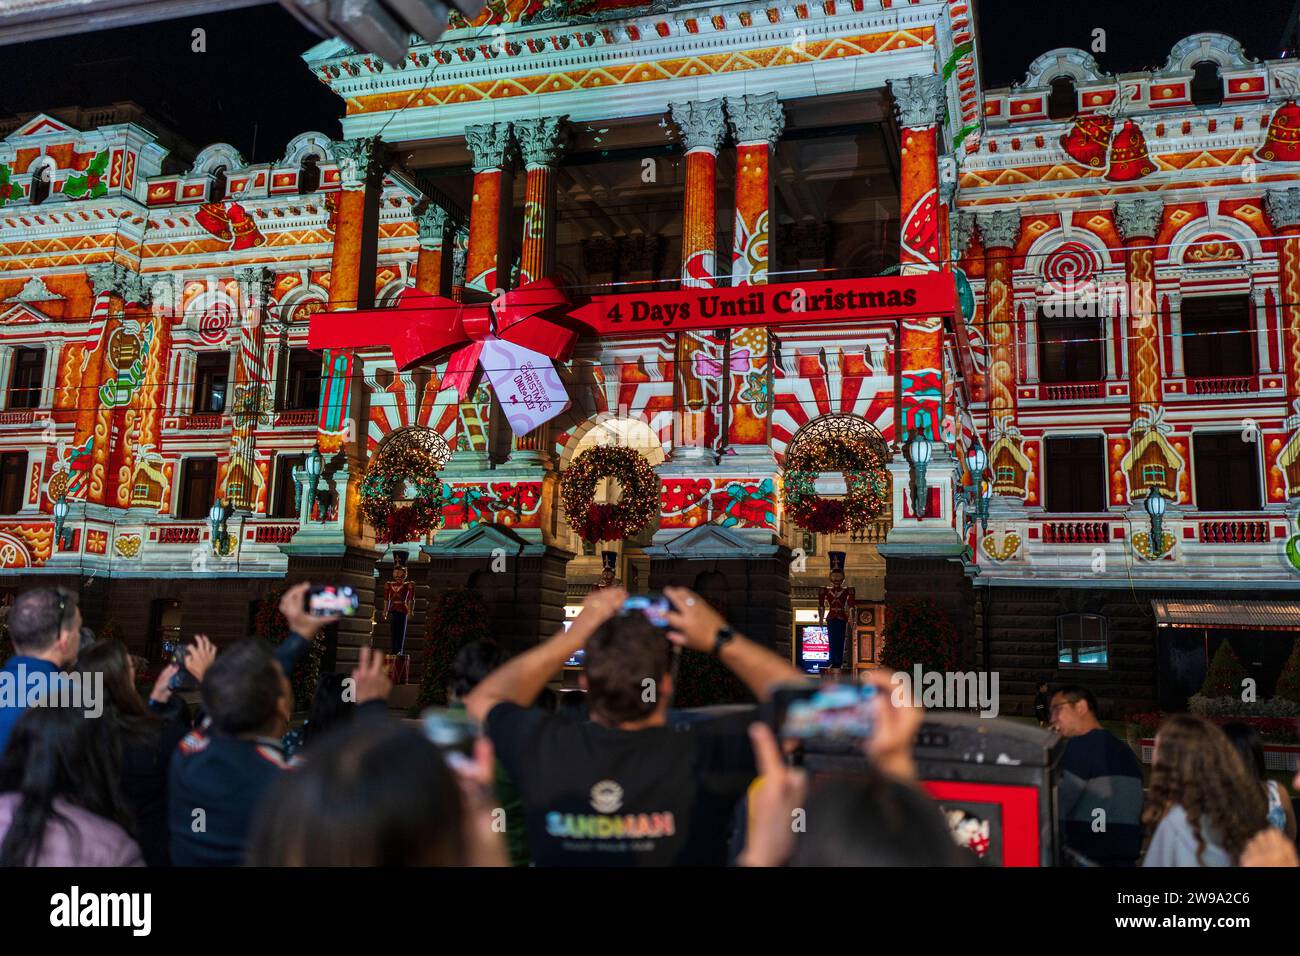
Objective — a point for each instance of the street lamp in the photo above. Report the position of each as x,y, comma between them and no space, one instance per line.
1155,505
61,531
314,464
982,508
976,461
918,453
217,516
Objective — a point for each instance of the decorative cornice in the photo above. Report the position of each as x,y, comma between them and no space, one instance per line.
1000,229
431,224
490,144
918,100
1283,207
1138,218
755,118
358,161
541,140
701,124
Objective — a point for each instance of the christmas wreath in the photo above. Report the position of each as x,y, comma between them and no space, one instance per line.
396,515
638,504
862,464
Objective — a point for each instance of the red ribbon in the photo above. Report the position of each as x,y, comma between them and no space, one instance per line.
423,325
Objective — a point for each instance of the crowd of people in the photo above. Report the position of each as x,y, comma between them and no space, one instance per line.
514,772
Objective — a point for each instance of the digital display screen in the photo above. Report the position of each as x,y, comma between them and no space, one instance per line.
814,647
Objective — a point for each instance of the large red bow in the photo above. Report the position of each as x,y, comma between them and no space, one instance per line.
423,325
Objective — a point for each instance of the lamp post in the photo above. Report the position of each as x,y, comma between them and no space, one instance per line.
1155,505
986,496
314,464
61,532
918,453
217,517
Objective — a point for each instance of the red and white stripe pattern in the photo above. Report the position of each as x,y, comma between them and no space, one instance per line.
98,320
401,405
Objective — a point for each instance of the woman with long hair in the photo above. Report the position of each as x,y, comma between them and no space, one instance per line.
375,793
1202,806
149,732
61,802
1251,750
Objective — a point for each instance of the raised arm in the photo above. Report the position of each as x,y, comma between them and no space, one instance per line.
696,625
303,627
520,679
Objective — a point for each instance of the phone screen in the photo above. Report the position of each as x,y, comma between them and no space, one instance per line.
654,608
837,713
326,599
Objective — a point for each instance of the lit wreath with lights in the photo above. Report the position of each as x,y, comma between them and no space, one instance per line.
638,504
401,494
863,466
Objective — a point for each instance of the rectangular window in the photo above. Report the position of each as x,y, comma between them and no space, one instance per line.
1075,475
1217,336
164,631
1082,641
198,487
284,493
210,374
1069,349
1226,472
1153,475
302,380
13,482
26,376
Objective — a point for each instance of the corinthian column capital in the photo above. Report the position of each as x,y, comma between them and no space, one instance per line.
918,100
756,118
490,144
358,161
1138,218
1000,229
432,226
541,140
1283,207
701,123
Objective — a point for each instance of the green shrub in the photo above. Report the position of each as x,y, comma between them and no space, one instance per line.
1288,682
917,632
1225,675
456,617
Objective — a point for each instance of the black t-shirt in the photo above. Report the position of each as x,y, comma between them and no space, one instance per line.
597,796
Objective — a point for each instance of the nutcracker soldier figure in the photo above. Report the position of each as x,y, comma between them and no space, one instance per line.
836,606
399,597
608,559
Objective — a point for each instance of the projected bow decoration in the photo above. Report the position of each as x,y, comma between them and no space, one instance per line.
513,340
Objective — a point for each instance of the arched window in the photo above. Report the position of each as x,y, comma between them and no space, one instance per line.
1063,101
218,191
1207,85
308,174
42,179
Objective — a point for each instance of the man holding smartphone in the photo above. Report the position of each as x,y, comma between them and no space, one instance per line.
625,789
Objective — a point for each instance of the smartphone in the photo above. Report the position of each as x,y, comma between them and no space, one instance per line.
827,715
182,679
654,607
323,600
453,732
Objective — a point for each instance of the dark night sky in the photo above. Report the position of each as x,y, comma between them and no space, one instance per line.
252,73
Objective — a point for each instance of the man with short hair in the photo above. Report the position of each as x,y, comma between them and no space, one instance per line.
220,773
623,788
1100,789
45,627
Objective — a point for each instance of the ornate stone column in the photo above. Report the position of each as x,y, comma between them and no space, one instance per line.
1137,221
432,266
129,356
541,143
242,481
918,101
757,122
487,264
697,398
358,207
1000,231
88,457
1284,211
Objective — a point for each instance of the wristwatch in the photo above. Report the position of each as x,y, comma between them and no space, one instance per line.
725,634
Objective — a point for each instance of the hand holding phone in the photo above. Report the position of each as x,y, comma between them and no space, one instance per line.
327,600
